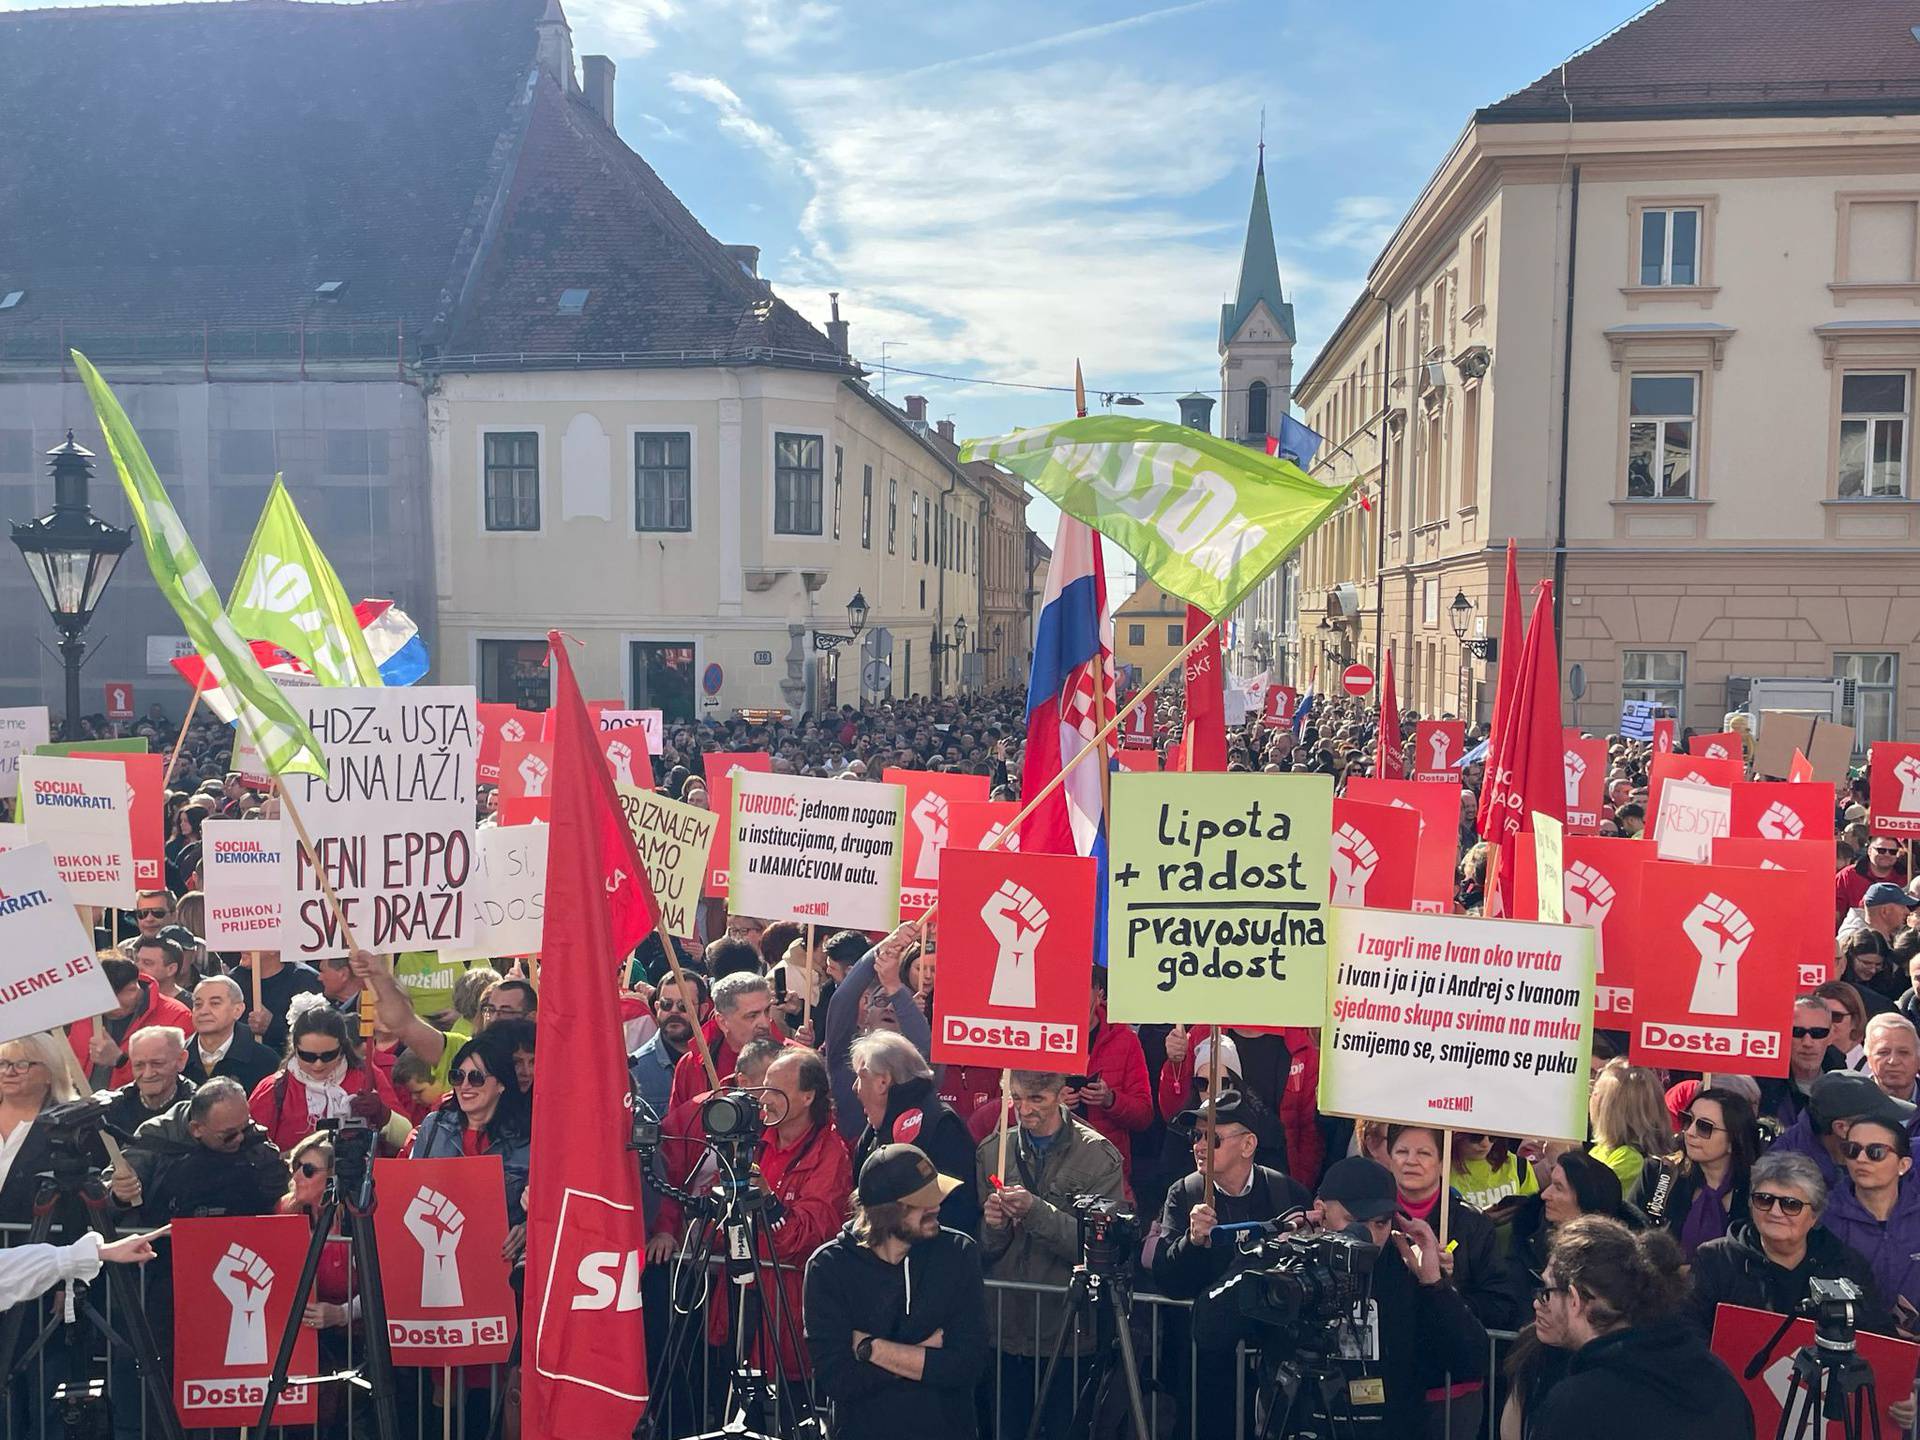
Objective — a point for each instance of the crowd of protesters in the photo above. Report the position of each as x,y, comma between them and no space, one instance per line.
896,1210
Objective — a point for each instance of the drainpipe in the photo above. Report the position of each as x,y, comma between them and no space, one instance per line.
1566,410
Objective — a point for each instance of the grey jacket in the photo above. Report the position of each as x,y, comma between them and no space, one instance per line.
843,1019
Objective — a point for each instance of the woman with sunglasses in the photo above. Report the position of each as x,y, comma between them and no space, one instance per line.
1877,1213
1698,1194
486,1113
324,1077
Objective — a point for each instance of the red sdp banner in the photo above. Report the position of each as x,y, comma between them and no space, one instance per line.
233,1281
1374,851
1721,745
1129,758
1438,748
1583,766
1438,804
930,797
526,782
720,765
441,1225
1809,865
1781,810
1016,960
1721,996
1663,736
1722,773
1738,1334
1600,883
976,824
1894,773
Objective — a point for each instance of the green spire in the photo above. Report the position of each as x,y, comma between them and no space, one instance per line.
1259,269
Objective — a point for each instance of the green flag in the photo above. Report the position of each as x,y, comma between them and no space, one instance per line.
1206,518
288,594
264,713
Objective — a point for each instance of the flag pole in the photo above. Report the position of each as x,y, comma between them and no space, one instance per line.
1102,655
1006,1103
181,739
680,979
806,993
1213,1102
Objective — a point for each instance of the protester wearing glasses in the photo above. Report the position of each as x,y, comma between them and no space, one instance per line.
1835,1103
485,1114
1866,959
101,1045
1884,863
153,912
33,1075
205,1156
1877,1213
325,1078
1847,1014
1893,1056
674,1011
1701,1193
1783,1099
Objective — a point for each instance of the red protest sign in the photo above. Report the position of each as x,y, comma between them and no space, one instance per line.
1663,736
1583,768
119,700
1277,706
930,795
976,824
441,1225
233,1281
1439,807
1739,1334
1131,759
720,765
1374,853
1438,748
595,708
1781,810
1722,773
1810,864
1721,996
1600,882
498,724
1176,757
526,782
146,811
625,752
1016,960
1801,771
1894,774
1722,745
1137,728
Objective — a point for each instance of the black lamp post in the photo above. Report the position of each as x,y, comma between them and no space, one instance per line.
1483,647
857,613
71,555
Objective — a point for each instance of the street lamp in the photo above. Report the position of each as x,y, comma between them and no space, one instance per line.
71,555
857,613
1483,647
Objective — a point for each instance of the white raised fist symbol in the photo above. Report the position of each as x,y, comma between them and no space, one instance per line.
620,757
1589,897
1354,861
930,819
533,774
1437,747
244,1281
1694,777
1907,772
1772,865
513,732
1716,751
1720,933
1572,768
1779,823
1016,919
992,838
436,1223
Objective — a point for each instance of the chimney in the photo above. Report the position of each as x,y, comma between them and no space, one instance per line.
917,410
596,74
747,257
945,427
836,327
555,48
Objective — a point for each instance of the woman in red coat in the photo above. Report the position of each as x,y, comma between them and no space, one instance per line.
324,1078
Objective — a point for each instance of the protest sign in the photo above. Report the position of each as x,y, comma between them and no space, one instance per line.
441,1225
1016,960
1894,799
1439,807
1372,854
930,796
1777,810
12,837
146,806
1234,706
233,1283
1720,995
1217,900
1438,748
826,851
648,722
48,973
506,896
1739,1334
526,782
1135,730
1550,901
1690,818
23,728
1584,769
242,869
1636,720
391,822
1276,705
674,841
1133,760
1808,865
976,824
78,810
495,725
1455,1021
428,977
1723,773
719,769
625,752
1721,745
1663,736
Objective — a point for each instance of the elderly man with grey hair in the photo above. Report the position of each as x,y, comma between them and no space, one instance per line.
742,1014
222,1043
895,1089
1765,1263
1893,1056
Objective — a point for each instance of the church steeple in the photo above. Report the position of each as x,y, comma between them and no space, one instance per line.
1256,332
1259,269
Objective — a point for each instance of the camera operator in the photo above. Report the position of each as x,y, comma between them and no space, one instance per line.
158,1056
204,1156
1030,1233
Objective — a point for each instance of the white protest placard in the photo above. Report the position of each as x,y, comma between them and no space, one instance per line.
1458,1022
48,972
246,760
647,721
241,863
391,822
80,809
507,896
23,728
1235,701
1548,837
673,841
12,837
826,851
1691,817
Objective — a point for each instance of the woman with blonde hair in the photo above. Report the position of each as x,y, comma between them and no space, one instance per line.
1628,1112
36,1072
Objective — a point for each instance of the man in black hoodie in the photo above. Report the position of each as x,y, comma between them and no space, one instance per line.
897,1093
896,1310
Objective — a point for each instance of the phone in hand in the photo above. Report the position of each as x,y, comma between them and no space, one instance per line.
1078,1082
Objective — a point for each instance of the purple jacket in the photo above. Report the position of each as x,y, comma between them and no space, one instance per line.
1891,1246
1799,1139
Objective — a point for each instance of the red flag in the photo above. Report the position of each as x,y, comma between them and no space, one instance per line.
1273,444
1506,677
1530,773
585,1375
1204,740
1386,753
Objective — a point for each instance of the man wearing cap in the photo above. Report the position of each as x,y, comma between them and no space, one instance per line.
896,1310
1884,863
1884,909
1836,1100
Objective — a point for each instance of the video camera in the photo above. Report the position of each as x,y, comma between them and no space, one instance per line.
1109,1233
1304,1286
73,1130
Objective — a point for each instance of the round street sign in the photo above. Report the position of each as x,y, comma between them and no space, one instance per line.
1356,679
710,680
876,673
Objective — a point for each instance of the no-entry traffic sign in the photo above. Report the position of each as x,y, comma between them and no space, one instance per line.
1356,679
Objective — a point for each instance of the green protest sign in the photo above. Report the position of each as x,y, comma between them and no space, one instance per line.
1217,898
427,979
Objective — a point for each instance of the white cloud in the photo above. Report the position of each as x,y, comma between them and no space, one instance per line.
617,27
734,118
1360,222
771,28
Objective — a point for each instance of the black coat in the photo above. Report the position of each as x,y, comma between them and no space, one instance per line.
246,1060
1657,1382
1734,1270
181,1177
1495,1288
1183,1270
23,1179
916,1115
1665,1191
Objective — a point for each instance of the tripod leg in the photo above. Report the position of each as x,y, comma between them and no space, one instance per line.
373,1316
16,1315
1130,1369
1076,1297
156,1376
302,1290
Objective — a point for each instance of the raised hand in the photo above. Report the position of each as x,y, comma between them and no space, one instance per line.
1354,861
1016,920
1590,896
1573,769
1177,1044
436,1224
244,1281
1720,932
533,774
930,819
892,954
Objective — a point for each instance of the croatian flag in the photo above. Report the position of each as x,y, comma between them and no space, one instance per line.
1072,645
1304,708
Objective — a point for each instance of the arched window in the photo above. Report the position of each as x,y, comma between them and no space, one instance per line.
1257,409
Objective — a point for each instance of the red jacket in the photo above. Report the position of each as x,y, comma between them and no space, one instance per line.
280,1103
1299,1110
690,1076
969,1088
158,1010
1850,886
1116,1057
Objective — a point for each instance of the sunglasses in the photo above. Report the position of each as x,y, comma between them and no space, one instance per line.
475,1077
318,1057
1785,1204
1874,1150
1699,1124
1881,850
311,1170
1839,1017
151,914
1812,1032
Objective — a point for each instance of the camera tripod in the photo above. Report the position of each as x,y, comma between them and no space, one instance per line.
1301,1393
1830,1382
1101,1297
76,1196
350,1187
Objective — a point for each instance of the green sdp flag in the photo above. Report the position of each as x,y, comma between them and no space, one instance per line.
1205,517
285,742
288,594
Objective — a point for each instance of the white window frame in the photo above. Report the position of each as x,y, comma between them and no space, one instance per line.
1873,419
506,637
1659,692
1666,280
1660,422
693,476
539,432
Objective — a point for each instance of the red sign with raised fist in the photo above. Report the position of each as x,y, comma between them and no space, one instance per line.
1438,748
442,1225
